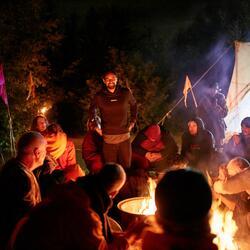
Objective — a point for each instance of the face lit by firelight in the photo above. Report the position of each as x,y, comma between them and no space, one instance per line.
245,130
192,128
41,124
110,80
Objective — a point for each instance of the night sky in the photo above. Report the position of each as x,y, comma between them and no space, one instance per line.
174,37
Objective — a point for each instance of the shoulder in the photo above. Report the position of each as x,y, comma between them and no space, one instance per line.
100,92
70,144
220,95
12,173
11,166
186,135
207,133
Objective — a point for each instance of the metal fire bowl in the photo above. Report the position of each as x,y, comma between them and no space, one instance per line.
132,206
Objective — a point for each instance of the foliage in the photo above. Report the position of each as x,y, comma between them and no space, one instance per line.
150,90
29,37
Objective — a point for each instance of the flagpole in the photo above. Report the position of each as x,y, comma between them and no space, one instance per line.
12,138
195,102
196,83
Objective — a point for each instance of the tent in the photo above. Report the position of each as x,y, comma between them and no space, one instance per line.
238,97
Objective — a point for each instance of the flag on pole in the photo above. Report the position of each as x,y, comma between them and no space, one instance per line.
187,86
31,87
3,93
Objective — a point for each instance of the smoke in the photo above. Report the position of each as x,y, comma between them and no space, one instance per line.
217,65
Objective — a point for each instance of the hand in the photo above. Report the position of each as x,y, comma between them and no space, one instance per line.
223,174
51,162
153,156
236,139
99,131
132,124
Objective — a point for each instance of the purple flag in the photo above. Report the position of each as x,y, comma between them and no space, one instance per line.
3,93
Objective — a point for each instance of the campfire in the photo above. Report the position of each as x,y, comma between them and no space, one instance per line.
224,227
221,222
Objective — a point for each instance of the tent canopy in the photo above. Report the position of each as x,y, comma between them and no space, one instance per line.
238,97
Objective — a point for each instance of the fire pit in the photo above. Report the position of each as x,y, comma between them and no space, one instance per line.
137,206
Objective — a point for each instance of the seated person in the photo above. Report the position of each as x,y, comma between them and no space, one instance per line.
239,145
153,147
63,221
19,190
101,189
183,199
197,144
61,149
234,183
237,178
92,148
39,124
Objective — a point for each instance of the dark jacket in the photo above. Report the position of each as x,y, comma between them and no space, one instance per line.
197,148
100,201
213,110
14,186
114,109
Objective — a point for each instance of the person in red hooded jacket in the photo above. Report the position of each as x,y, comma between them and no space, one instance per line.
153,147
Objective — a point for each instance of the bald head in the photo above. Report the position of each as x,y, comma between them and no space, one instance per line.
32,148
236,165
112,176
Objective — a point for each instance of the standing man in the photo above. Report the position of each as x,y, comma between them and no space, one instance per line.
114,104
212,109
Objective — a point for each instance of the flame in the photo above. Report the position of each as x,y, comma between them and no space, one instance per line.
148,206
224,227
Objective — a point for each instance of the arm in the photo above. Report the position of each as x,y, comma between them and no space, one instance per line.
171,148
71,158
184,145
235,184
136,145
133,109
208,144
92,113
221,106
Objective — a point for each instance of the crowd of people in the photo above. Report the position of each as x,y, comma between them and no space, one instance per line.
49,202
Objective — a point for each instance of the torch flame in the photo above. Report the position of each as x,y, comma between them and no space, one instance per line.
43,110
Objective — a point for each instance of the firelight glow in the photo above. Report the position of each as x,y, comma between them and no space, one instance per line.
43,110
224,227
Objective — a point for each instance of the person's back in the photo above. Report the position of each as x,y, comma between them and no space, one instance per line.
63,221
183,200
101,188
92,151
